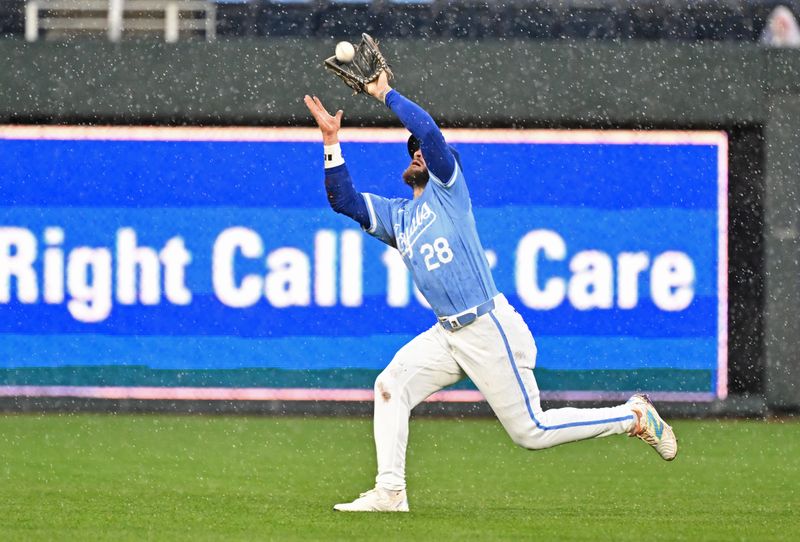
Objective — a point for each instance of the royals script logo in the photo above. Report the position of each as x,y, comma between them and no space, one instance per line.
421,221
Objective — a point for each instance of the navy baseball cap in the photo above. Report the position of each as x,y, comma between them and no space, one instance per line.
412,145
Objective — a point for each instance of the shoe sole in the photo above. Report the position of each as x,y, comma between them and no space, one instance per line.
369,511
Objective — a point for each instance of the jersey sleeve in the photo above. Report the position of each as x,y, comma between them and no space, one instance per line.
453,192
382,212
450,181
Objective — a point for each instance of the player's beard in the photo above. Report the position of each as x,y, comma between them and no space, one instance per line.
416,177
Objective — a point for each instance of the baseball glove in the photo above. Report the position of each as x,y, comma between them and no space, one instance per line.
366,66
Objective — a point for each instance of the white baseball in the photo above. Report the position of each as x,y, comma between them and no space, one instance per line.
345,52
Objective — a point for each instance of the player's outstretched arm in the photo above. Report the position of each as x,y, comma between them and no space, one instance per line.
342,195
435,150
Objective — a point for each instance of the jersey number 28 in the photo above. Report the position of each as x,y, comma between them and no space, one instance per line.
437,253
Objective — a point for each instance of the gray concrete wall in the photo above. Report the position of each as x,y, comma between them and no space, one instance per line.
261,82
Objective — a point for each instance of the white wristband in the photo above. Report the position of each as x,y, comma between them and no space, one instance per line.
333,156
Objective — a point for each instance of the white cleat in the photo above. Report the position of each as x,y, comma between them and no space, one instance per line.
651,428
377,500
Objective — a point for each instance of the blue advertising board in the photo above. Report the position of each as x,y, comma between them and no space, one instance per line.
205,263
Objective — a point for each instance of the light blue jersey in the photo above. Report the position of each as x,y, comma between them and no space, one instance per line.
437,238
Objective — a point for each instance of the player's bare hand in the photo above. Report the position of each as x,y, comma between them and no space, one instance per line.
379,87
328,124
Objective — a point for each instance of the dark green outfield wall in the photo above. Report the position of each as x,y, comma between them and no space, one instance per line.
752,93
260,82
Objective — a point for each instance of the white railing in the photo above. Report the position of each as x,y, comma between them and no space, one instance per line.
117,16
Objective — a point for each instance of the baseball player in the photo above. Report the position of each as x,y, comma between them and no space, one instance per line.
478,333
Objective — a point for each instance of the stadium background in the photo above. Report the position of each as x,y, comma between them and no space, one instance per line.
252,74
125,472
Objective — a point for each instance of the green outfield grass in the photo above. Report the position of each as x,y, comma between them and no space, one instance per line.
90,477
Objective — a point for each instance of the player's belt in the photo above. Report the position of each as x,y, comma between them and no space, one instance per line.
463,319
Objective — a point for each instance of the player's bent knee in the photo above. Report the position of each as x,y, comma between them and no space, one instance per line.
385,388
529,439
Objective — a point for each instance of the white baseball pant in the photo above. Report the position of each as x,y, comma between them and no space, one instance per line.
497,352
